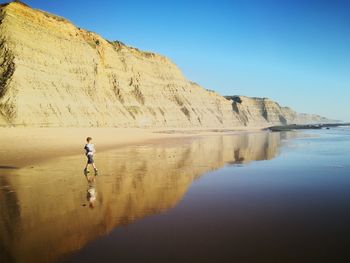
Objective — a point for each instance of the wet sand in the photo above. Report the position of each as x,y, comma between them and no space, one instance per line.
48,212
28,146
246,197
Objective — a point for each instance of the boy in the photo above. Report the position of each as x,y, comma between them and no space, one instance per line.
90,150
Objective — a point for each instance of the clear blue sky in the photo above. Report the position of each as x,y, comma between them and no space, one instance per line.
295,52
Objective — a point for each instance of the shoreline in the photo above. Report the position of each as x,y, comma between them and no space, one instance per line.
24,146
291,127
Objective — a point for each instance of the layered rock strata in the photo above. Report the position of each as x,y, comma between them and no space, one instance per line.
265,112
56,74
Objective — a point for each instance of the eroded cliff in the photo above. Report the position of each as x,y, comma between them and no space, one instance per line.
55,74
265,112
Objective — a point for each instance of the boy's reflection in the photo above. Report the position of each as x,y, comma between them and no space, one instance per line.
91,191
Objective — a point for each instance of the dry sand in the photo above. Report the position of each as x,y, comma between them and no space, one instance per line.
26,146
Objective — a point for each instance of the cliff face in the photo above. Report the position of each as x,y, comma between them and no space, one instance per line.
265,112
55,74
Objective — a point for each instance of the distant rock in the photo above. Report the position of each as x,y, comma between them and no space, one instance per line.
265,112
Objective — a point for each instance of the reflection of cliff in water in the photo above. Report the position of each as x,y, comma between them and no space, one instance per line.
45,212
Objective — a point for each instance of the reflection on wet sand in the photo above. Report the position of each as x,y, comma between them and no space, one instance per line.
46,210
91,191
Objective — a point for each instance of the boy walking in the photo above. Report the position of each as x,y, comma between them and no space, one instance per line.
90,150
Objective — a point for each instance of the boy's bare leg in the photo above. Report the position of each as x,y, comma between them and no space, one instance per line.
85,169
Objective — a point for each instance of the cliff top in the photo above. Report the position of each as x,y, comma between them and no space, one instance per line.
240,98
14,2
21,8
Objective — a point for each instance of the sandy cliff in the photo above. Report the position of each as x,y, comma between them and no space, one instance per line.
265,112
55,74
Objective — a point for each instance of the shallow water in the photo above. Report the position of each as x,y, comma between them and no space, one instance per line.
254,197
